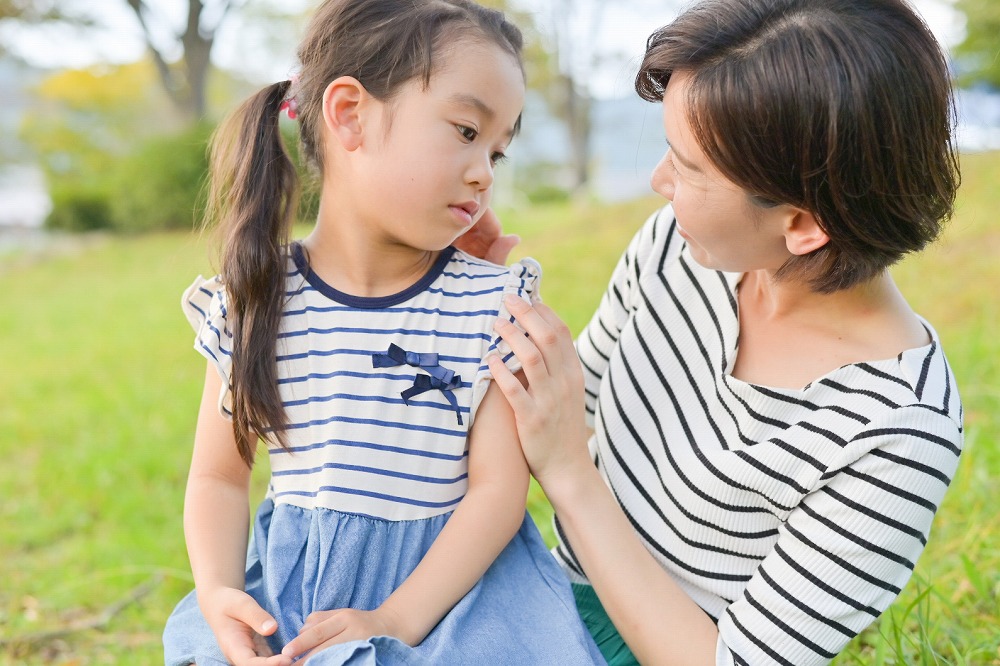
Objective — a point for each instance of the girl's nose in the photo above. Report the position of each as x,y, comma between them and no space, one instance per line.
480,172
662,178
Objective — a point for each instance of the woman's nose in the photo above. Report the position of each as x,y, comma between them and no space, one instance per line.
662,178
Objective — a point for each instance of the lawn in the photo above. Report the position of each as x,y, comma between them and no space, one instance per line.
100,388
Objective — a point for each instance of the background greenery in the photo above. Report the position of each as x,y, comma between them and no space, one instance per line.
100,388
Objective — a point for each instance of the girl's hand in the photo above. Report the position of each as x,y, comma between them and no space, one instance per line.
239,623
325,628
486,239
550,411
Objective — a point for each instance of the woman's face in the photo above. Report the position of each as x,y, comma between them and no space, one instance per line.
724,230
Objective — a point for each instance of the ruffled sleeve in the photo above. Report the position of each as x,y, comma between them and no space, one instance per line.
204,304
523,280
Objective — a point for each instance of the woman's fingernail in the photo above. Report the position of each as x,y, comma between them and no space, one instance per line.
268,625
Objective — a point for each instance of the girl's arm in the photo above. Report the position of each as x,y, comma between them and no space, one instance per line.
216,524
481,526
656,618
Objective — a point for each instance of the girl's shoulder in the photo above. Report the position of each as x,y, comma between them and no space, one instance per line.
522,277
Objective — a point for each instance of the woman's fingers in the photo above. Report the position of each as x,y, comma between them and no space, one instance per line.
510,386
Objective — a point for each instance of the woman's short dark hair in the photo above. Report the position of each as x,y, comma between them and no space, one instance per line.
841,107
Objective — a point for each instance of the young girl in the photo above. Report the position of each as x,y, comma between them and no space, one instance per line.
394,527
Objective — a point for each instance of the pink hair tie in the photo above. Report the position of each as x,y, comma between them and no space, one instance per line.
290,104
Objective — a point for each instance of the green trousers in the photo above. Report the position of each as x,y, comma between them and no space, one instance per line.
608,640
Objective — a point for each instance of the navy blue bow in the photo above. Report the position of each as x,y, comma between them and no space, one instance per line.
437,377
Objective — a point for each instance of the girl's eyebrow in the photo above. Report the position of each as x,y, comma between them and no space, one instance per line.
466,99
471,101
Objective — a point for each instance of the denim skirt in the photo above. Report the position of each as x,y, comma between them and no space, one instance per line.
521,611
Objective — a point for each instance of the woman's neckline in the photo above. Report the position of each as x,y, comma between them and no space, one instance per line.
368,302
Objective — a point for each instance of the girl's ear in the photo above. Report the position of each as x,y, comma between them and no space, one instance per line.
804,233
343,100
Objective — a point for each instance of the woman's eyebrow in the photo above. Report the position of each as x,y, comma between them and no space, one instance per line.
683,160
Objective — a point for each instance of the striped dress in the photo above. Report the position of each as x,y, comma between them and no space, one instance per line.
792,517
380,395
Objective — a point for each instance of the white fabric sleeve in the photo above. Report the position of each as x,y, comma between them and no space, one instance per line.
204,304
845,552
523,280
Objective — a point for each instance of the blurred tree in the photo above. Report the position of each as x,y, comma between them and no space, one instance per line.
185,80
34,12
574,38
572,48
980,51
181,51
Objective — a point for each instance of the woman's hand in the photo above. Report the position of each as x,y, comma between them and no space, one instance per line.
549,412
325,628
239,624
486,239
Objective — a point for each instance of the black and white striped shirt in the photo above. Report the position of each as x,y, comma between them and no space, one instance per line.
792,517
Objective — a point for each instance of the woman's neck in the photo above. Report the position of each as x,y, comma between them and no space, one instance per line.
790,335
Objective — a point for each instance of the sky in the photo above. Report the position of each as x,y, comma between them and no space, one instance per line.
620,37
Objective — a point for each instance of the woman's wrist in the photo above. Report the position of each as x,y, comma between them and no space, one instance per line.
566,484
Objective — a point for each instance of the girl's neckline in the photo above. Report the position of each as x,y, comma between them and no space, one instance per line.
368,302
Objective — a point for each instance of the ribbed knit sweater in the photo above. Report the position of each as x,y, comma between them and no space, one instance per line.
792,517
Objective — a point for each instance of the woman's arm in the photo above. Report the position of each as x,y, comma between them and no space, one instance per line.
216,525
481,526
656,618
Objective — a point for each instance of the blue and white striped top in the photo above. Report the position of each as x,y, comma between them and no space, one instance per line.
380,393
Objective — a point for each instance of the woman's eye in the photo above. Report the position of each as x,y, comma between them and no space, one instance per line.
498,158
467,133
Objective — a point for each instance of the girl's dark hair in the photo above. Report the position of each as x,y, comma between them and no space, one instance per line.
254,188
841,107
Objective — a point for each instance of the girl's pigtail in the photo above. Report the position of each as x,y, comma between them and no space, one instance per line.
253,198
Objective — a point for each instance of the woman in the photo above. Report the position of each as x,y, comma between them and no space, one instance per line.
774,423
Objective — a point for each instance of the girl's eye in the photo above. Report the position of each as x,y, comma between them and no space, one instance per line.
467,133
498,158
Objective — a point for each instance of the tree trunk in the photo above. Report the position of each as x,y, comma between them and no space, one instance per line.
578,122
197,52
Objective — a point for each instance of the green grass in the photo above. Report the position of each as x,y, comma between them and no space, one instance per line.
99,389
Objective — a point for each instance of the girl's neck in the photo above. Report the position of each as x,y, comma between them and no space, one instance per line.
346,256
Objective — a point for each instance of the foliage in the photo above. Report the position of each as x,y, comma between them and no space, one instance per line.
160,185
114,152
79,206
82,119
980,51
101,389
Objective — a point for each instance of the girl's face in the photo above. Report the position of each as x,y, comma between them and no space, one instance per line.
723,229
428,171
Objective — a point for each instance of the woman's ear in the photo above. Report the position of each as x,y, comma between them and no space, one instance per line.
804,233
343,100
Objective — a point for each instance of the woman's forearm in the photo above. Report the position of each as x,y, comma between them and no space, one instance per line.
656,618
